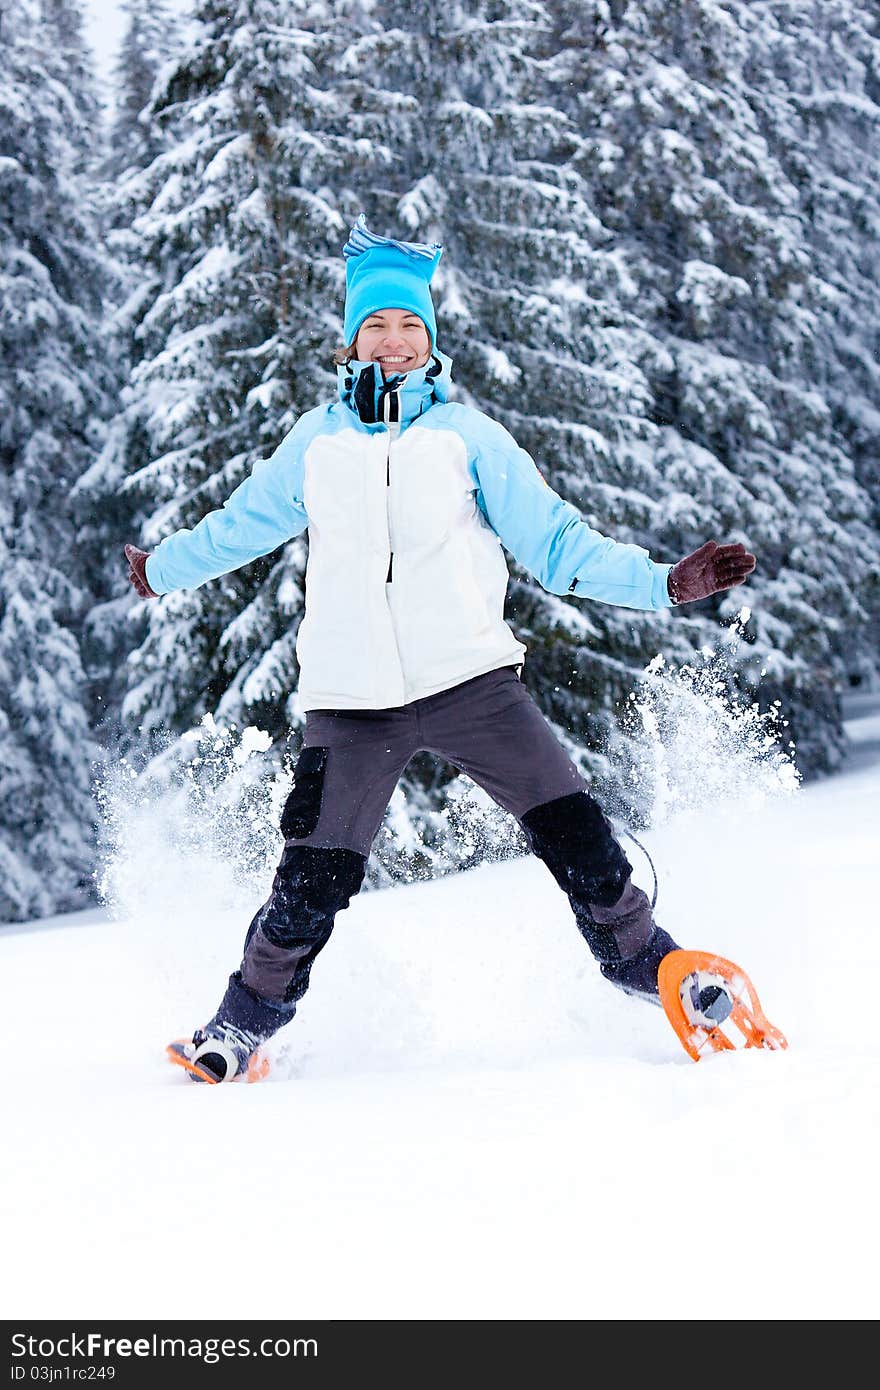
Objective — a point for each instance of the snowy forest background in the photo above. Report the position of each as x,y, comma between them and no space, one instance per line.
660,224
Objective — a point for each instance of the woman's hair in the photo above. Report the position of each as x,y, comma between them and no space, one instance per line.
343,355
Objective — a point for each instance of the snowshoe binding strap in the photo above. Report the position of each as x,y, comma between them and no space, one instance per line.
707,998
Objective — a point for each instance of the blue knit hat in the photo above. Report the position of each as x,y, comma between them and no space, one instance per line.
384,274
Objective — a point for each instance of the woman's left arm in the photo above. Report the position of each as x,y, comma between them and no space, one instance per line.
549,537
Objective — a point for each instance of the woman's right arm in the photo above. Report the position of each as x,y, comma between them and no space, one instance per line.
262,513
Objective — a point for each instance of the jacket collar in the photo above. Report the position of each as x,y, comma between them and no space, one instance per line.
398,400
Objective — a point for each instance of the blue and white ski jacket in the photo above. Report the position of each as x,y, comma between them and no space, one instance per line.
408,500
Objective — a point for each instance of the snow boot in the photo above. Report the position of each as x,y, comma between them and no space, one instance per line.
638,974
706,1000
220,1052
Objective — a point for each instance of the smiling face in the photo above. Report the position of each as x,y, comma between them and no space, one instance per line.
396,339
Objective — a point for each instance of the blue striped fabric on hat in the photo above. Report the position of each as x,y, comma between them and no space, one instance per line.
360,239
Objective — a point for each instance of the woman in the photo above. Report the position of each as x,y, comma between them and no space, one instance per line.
408,499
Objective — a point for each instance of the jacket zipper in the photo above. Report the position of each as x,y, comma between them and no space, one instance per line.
388,508
386,410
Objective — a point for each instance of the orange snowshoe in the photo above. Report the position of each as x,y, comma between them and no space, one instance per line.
217,1059
707,999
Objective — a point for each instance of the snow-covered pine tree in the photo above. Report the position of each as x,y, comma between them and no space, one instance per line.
53,395
68,56
152,36
815,73
729,306
107,515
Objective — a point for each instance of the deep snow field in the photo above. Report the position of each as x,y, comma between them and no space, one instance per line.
464,1121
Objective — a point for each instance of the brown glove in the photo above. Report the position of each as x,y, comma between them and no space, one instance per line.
708,570
137,574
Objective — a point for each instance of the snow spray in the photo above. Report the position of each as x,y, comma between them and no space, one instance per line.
695,748
198,824
478,829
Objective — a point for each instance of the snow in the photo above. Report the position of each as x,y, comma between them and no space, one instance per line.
464,1121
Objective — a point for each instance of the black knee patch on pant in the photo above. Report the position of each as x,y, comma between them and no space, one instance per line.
574,839
577,844
311,885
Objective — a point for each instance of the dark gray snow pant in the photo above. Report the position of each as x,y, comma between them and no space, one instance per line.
347,770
